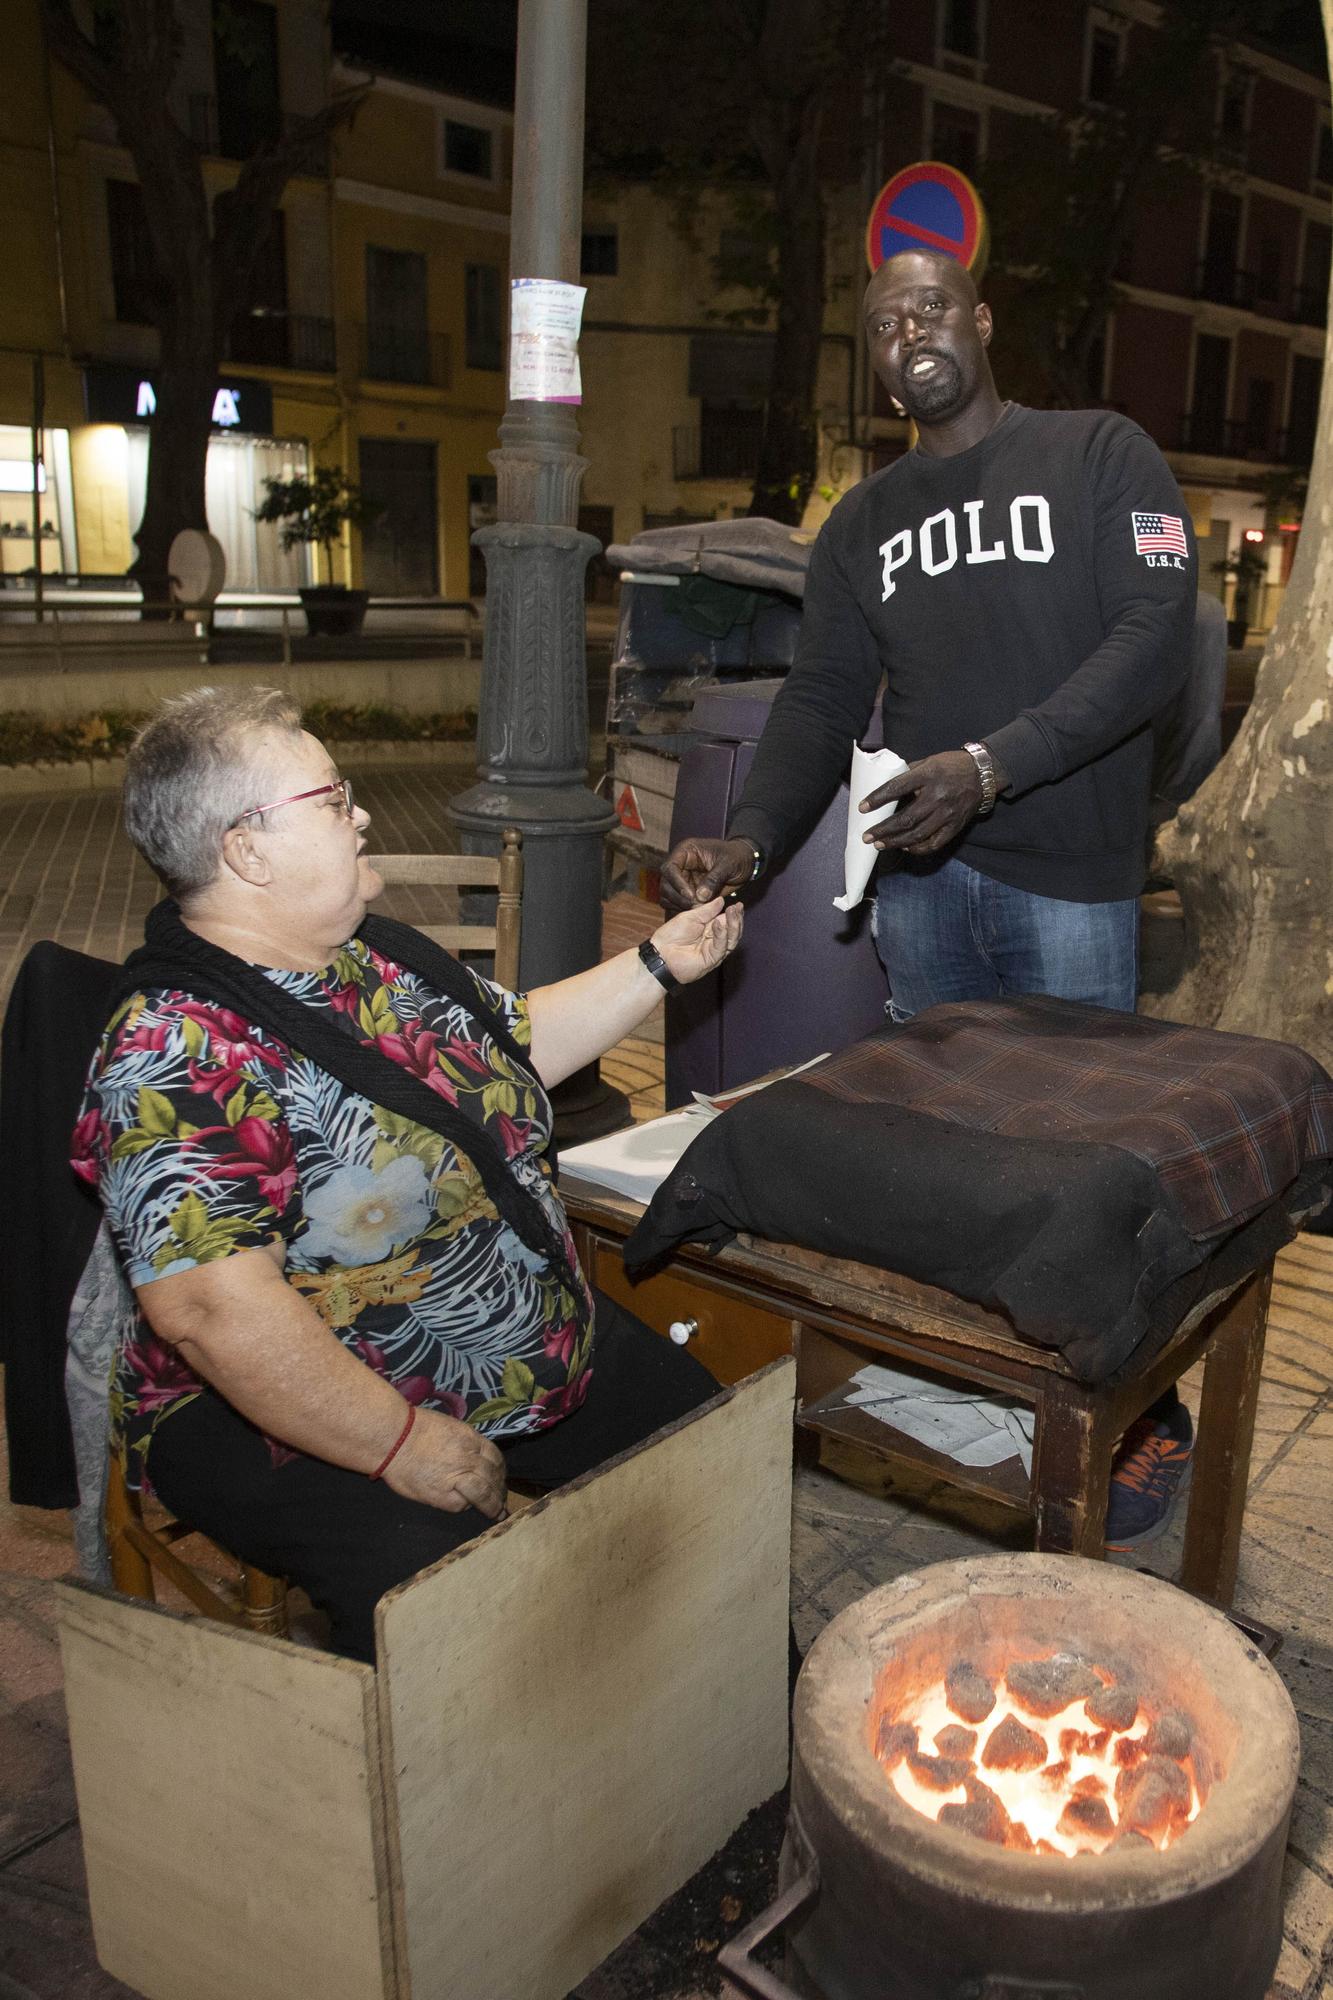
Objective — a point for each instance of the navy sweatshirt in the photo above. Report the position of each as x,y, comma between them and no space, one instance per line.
1037,592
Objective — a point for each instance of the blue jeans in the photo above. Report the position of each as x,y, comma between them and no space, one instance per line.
949,933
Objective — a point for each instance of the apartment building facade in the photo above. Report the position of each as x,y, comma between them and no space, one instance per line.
1215,344
375,341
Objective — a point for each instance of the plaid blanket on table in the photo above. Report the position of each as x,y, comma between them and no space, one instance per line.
1082,1171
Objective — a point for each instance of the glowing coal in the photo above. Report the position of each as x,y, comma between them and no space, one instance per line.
1065,1761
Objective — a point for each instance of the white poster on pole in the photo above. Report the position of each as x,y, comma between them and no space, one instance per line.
544,320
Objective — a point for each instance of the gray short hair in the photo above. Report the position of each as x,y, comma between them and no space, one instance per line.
191,773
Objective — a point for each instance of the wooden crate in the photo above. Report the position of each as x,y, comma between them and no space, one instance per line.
571,1714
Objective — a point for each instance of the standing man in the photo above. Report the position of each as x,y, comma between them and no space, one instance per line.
1024,583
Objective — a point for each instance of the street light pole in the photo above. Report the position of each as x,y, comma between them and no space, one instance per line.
532,737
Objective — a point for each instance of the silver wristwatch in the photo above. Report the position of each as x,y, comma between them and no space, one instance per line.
981,757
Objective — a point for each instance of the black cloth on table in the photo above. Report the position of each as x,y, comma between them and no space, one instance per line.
1093,1248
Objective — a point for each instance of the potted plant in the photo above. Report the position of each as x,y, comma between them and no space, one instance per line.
315,507
1247,568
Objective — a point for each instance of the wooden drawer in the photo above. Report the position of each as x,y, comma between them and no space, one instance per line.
735,1336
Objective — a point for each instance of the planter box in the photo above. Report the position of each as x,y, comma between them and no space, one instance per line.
569,1716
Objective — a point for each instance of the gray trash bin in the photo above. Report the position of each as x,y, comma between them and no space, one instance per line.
806,977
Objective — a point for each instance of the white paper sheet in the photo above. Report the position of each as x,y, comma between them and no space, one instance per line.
544,320
726,1097
636,1160
870,769
967,1427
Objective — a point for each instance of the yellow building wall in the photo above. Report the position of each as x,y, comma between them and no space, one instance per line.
393,146
462,419
394,142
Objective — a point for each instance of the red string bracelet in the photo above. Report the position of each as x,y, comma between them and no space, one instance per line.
397,1444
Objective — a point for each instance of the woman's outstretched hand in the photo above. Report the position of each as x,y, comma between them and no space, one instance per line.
697,941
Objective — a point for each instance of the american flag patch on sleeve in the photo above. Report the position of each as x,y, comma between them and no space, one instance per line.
1159,535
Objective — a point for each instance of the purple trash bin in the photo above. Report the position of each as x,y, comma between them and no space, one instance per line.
806,977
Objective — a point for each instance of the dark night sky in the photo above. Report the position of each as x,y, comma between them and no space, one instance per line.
461,45
468,45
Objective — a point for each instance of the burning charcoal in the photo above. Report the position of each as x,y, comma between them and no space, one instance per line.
983,1814
895,1741
1044,1687
1091,1787
968,1692
939,1774
1092,1816
1129,1836
955,1741
1056,1775
1153,1798
1048,1847
1083,1742
1164,1770
1011,1747
1129,1751
1114,1707
1018,1838
1169,1736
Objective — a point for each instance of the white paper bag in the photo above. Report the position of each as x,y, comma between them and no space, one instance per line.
870,769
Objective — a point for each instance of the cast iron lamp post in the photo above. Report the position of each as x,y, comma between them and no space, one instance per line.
532,736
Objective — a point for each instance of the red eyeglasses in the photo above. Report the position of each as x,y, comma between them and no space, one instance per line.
343,785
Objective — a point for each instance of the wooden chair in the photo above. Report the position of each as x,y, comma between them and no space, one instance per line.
136,1550
503,873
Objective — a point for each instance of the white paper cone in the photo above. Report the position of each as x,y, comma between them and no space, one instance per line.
870,769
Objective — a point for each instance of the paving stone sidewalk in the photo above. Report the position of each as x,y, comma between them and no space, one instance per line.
66,872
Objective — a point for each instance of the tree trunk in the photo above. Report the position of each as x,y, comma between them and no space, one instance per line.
1252,852
185,384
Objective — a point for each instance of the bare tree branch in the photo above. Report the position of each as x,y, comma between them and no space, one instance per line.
81,57
241,214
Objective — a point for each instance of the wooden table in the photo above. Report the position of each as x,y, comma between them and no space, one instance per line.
757,1300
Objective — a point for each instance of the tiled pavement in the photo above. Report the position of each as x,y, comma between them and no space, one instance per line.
66,872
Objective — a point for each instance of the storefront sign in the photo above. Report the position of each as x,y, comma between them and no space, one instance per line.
116,395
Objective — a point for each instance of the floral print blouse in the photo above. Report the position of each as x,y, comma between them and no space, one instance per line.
204,1135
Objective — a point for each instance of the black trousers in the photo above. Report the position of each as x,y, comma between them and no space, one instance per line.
346,1539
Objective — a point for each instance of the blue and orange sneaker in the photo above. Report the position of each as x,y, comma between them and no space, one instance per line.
1147,1475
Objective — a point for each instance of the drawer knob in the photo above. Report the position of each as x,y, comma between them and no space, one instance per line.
681,1330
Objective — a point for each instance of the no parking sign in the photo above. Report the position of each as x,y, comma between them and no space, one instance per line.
929,207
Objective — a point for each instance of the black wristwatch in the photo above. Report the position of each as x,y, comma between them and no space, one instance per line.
658,966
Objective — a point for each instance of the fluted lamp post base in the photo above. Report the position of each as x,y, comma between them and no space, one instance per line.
532,770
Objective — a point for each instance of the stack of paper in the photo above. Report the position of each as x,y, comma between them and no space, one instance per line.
636,1160
964,1425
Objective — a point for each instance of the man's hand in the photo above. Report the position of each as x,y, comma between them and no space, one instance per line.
697,941
448,1465
698,870
945,792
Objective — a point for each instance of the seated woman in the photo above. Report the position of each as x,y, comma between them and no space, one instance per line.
321,1144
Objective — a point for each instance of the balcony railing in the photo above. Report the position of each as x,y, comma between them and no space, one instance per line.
284,340
1227,437
718,450
402,354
